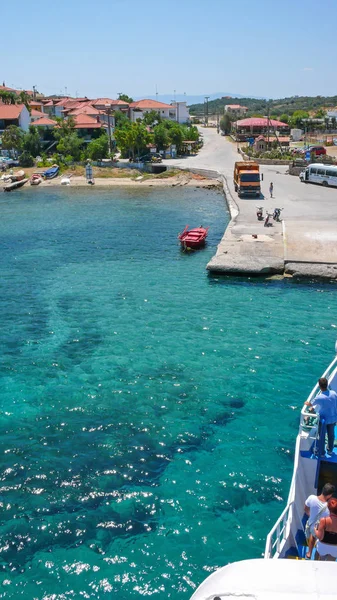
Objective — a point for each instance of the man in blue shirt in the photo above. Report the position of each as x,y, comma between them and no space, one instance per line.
325,405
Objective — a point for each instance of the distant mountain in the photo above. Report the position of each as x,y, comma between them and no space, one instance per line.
168,98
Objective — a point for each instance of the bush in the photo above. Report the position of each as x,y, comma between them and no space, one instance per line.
26,160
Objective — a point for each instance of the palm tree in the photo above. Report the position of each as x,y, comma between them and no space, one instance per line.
25,99
7,97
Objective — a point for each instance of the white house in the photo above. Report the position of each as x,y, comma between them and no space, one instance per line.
138,109
14,114
182,112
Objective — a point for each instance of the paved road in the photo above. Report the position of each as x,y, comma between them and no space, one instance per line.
310,211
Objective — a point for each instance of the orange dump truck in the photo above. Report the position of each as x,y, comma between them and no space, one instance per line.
247,178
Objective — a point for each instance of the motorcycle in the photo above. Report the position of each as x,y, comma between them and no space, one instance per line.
276,214
267,222
259,213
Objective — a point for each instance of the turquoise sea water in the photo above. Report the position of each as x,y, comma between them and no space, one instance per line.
148,410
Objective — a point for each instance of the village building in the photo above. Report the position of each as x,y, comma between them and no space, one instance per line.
44,122
177,111
36,114
88,127
112,105
14,114
235,109
36,105
256,126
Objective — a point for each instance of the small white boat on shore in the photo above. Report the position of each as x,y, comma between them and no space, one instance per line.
35,179
65,181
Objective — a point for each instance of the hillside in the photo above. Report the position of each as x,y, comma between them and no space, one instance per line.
276,107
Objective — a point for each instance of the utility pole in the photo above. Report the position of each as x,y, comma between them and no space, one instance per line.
268,108
206,119
156,93
108,112
34,92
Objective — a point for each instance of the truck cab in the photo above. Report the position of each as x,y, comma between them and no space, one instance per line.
247,180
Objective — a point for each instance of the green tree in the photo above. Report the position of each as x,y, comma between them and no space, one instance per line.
151,118
131,137
284,118
190,132
175,134
225,124
296,121
7,97
161,137
12,138
121,119
99,148
125,98
320,114
25,99
31,142
69,143
26,159
141,137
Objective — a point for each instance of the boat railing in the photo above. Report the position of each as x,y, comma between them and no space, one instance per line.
309,420
289,521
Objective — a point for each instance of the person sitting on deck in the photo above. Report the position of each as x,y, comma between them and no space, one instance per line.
325,405
316,507
326,532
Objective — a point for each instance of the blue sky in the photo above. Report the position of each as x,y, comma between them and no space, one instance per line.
259,48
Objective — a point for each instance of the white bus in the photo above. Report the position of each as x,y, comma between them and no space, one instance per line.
319,173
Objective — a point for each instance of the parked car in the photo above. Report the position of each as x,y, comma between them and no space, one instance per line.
318,150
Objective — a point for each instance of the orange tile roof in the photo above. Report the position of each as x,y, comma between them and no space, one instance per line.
36,113
152,104
104,101
83,121
87,109
44,121
10,111
71,102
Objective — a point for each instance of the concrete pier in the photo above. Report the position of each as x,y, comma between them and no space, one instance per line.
304,244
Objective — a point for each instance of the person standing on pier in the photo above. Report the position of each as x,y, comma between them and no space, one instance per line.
271,189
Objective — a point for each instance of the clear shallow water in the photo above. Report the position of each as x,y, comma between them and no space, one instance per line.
148,410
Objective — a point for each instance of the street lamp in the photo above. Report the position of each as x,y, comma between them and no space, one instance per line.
108,112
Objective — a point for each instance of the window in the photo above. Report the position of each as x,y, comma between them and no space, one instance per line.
321,172
250,177
331,173
313,171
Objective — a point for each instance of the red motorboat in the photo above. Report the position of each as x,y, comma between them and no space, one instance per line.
193,238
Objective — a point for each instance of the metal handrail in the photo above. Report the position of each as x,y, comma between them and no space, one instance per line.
304,424
280,537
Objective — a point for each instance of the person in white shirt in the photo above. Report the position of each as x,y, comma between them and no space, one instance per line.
316,508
